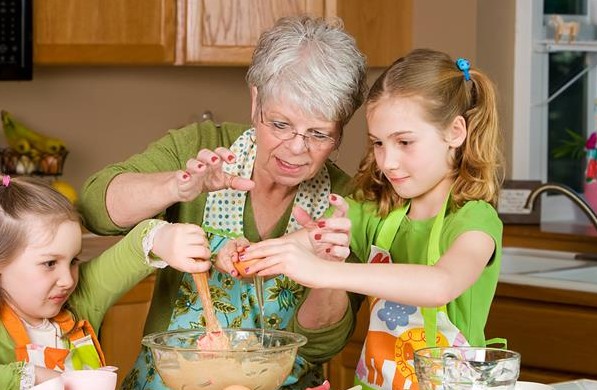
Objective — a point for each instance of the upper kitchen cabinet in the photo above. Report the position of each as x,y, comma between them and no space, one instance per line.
104,31
224,32
382,28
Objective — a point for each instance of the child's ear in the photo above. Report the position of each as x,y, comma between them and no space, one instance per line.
457,132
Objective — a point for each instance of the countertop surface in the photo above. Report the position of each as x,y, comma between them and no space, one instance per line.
93,245
566,237
581,384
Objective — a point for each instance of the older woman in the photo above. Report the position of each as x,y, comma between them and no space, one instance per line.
306,80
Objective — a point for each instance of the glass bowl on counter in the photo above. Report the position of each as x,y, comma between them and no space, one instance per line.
256,358
461,368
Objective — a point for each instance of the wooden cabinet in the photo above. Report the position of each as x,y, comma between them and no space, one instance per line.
104,31
554,330
122,329
382,28
224,32
202,32
341,368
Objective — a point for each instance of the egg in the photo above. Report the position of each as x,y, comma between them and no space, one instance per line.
242,265
236,387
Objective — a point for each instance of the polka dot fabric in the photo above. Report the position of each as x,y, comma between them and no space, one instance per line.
224,209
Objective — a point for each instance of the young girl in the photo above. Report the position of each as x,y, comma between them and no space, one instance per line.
422,216
48,321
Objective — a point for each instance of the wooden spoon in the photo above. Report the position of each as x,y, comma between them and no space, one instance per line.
211,322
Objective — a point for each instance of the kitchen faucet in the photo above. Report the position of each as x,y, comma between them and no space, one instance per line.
569,193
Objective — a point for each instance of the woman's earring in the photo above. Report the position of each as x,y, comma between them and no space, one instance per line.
334,155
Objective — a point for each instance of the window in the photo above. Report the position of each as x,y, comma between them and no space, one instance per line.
555,88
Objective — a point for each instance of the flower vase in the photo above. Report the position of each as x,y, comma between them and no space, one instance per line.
590,192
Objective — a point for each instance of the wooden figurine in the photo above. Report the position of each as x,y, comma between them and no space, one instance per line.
564,28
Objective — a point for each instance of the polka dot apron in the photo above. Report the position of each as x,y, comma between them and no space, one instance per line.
234,301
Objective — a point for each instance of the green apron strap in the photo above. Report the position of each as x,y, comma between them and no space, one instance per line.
390,227
433,255
384,240
497,341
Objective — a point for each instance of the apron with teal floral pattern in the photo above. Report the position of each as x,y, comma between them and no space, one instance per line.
235,301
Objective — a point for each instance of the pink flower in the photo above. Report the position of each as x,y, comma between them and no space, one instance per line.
591,141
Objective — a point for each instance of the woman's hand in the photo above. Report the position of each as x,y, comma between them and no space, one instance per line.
183,246
228,256
289,257
204,174
329,237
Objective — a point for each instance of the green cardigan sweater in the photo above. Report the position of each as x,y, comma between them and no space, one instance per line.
103,280
170,153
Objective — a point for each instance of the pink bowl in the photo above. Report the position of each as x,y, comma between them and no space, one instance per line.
89,380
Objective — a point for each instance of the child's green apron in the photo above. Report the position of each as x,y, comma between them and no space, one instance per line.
397,330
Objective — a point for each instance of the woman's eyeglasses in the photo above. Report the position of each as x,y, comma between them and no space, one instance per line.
312,139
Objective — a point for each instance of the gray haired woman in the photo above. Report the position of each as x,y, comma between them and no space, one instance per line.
307,78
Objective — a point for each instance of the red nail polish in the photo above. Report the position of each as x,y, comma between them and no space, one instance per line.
200,165
185,176
230,158
328,250
321,224
334,198
214,159
318,236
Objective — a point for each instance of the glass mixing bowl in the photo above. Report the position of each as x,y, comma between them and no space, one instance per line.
256,359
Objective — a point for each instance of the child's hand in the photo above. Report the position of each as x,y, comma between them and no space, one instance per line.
228,255
183,246
329,237
289,257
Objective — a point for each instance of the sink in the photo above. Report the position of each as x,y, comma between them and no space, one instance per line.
587,274
547,268
524,260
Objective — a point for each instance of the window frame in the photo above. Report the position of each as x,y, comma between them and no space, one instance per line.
530,111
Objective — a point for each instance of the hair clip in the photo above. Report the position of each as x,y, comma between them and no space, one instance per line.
464,65
5,180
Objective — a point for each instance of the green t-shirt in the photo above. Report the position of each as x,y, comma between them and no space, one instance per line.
470,310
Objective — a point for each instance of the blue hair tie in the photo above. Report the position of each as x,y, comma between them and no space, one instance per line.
464,65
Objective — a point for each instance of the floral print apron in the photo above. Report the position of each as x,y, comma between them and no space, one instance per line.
397,330
235,301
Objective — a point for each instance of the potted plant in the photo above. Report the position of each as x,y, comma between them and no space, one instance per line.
578,147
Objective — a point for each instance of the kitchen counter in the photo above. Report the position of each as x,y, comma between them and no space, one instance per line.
569,238
554,236
581,384
94,245
550,322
